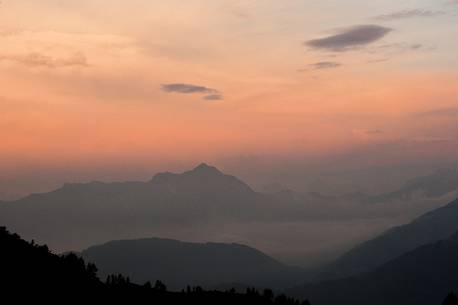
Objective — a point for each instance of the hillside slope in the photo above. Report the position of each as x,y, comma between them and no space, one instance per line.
420,277
430,227
181,263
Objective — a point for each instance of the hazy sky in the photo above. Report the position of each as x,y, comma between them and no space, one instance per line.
120,88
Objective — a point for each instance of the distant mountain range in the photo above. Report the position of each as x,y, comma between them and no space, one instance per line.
409,264
430,227
180,263
422,276
81,214
437,184
78,215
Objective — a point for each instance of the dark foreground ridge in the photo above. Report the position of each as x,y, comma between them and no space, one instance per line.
420,277
434,226
31,271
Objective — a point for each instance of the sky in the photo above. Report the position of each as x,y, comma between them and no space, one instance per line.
272,91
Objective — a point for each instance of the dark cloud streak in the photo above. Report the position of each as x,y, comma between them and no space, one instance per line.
323,65
350,38
210,93
187,88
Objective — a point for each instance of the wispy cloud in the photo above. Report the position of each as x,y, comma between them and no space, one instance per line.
210,93
322,65
430,140
377,60
350,38
213,97
399,48
405,14
367,132
373,131
9,32
187,88
41,60
442,112
384,52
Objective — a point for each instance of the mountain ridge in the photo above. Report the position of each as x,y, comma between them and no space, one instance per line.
201,203
429,227
421,276
206,264
104,211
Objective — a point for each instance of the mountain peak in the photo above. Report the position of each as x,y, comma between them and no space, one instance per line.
206,169
202,171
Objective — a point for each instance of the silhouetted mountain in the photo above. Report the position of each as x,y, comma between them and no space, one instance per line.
181,263
433,226
80,214
32,274
202,179
202,203
437,184
420,277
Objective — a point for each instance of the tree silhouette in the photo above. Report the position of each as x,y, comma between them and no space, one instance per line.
160,287
451,299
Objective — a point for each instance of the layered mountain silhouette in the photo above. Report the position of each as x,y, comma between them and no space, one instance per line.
30,273
78,215
81,214
437,184
202,179
422,276
430,227
181,263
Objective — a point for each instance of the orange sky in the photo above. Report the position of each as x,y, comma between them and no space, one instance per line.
82,82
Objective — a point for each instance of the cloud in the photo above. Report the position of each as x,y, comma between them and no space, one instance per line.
9,32
373,131
349,38
367,133
405,14
322,65
430,140
213,97
384,52
399,47
210,93
41,60
187,88
443,112
378,60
